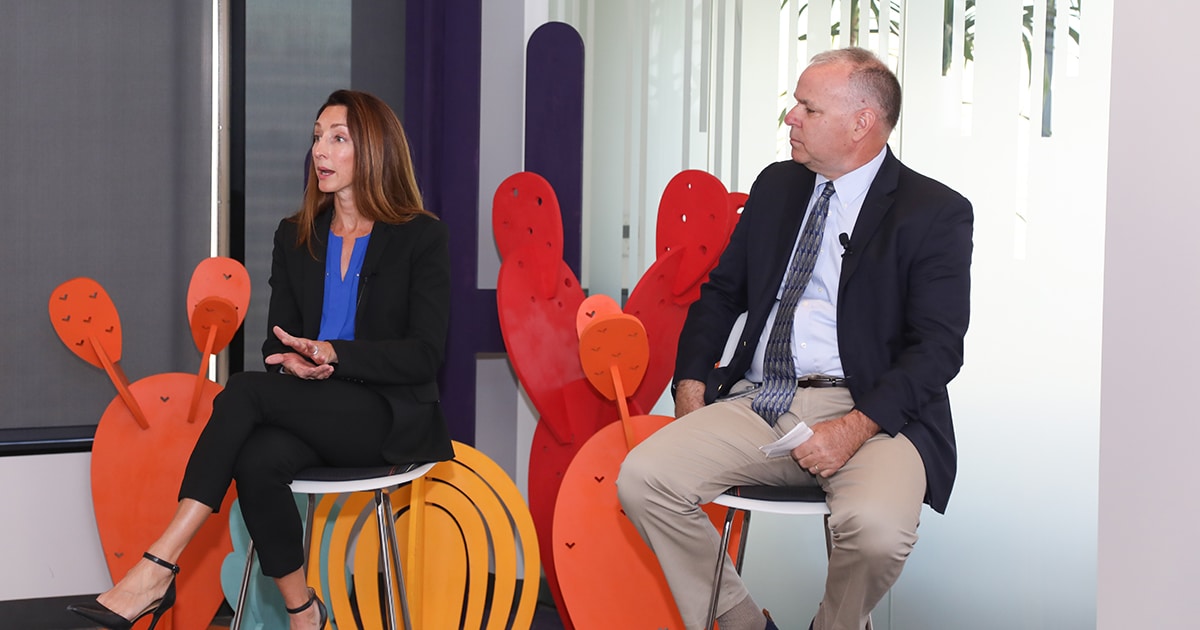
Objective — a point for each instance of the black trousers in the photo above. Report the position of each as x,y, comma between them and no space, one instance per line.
266,427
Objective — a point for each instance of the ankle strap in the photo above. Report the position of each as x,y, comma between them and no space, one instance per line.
312,597
160,562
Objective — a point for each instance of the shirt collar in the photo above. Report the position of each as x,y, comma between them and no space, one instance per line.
852,186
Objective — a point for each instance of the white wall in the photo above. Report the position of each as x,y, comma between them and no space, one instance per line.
501,153
48,537
1149,513
1016,547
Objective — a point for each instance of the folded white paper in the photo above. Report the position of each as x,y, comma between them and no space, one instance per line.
797,436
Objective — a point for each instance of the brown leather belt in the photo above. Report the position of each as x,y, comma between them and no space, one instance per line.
820,381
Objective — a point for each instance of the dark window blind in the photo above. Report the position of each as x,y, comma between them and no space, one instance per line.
104,164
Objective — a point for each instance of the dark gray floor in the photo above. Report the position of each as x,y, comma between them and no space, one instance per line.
51,614
546,618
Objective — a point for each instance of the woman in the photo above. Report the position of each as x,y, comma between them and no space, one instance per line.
360,293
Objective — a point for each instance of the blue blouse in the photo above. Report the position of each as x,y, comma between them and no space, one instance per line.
341,295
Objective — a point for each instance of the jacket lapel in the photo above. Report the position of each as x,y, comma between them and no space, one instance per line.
314,274
875,207
381,234
794,209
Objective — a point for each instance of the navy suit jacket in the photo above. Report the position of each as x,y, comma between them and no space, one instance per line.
903,302
401,320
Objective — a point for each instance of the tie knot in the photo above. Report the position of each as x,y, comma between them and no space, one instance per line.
827,192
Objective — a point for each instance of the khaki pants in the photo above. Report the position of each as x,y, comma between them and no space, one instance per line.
874,501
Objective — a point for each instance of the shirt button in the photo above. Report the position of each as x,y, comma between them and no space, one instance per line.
803,345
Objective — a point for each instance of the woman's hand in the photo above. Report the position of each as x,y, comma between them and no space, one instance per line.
312,360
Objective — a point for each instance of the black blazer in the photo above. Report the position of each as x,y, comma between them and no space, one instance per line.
903,302
403,313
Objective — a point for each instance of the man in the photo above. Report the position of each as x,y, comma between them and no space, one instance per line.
872,299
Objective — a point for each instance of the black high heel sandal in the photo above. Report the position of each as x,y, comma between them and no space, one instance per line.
100,615
312,597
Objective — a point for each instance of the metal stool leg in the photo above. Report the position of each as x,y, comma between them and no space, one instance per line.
745,535
309,518
720,569
236,624
383,515
828,539
394,543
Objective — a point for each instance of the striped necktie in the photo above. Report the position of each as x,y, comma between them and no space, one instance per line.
779,371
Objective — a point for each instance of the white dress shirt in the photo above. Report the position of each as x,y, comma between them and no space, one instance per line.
814,329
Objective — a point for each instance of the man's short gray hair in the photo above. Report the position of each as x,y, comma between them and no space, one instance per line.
870,79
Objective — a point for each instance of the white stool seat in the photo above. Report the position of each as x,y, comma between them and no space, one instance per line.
773,506
338,480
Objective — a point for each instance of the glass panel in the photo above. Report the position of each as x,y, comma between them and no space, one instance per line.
666,94
297,52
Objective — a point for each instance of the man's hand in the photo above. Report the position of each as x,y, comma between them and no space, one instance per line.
689,396
834,442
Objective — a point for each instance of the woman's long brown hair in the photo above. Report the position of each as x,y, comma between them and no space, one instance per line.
385,187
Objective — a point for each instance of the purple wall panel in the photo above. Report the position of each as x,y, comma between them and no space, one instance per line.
554,125
441,116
